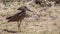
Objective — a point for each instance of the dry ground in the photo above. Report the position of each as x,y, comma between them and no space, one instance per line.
43,20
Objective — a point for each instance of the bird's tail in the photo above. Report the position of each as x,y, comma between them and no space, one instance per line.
10,31
8,17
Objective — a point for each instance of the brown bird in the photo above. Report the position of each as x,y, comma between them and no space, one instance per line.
18,17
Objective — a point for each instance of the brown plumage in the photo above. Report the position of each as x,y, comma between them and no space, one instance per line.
18,16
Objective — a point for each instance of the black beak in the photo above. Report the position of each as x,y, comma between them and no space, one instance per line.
29,10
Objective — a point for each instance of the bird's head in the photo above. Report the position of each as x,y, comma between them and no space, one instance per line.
24,8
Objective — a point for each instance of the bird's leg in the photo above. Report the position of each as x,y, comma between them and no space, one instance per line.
19,26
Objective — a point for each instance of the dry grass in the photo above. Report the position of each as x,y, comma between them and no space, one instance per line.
40,21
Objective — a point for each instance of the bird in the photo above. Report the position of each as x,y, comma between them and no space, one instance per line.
18,17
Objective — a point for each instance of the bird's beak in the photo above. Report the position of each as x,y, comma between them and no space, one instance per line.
29,10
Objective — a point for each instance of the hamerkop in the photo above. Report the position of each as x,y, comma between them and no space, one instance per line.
18,17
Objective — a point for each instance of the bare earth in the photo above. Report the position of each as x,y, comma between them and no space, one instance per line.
41,21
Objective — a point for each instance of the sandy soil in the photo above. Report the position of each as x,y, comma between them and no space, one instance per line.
43,20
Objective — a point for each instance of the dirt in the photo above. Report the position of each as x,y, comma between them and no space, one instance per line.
43,20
